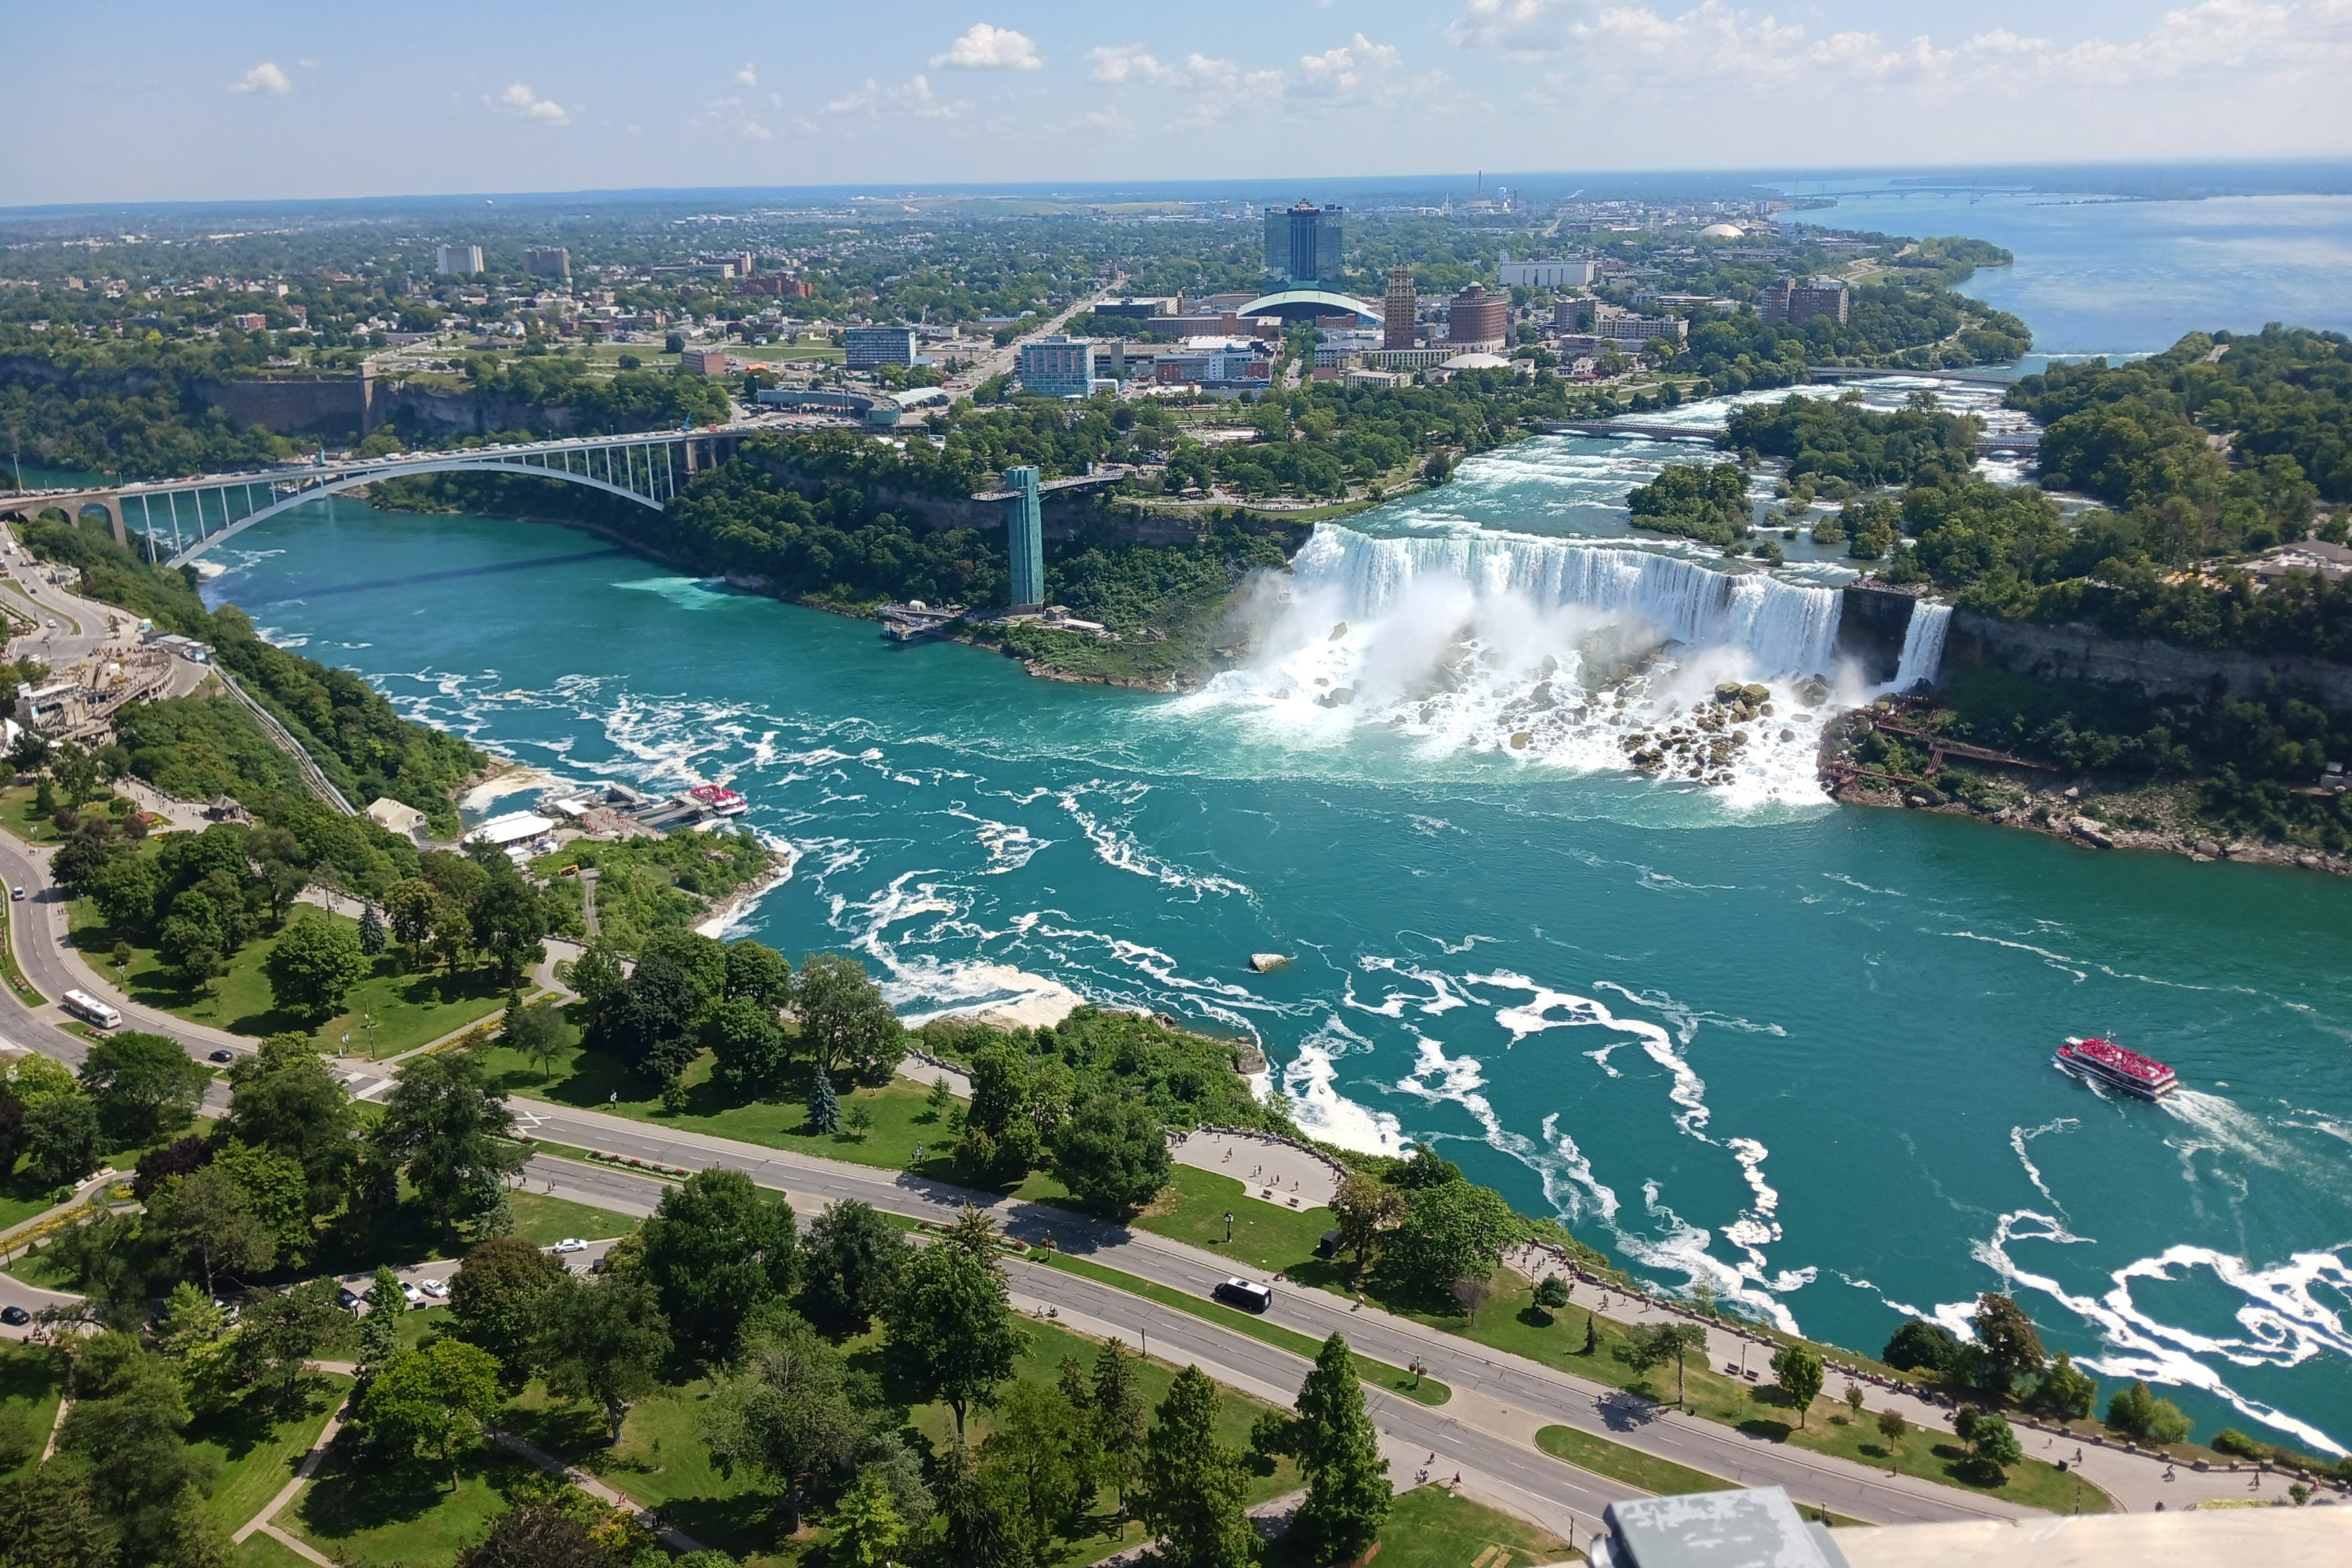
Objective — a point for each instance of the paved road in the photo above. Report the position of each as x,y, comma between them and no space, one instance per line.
1526,1387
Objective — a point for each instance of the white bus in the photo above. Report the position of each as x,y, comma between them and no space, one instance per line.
91,1010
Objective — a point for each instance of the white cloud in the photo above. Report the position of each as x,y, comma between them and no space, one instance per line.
1341,72
265,77
983,48
730,116
1120,63
748,77
914,101
520,101
2283,40
1216,86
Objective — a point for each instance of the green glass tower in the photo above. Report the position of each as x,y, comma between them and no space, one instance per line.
1024,538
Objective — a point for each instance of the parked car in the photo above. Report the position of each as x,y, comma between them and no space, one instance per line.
15,1316
412,1295
348,1299
436,1289
1249,1296
572,1243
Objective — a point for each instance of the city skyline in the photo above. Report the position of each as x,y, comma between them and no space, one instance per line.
265,100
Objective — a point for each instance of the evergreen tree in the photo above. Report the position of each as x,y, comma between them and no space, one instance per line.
372,935
380,1329
1194,1487
1115,1408
1348,1495
824,1106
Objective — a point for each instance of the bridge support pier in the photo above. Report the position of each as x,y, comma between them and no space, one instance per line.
113,504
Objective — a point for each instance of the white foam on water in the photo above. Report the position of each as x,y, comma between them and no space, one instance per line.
1118,847
1310,1082
925,987
2284,1321
1689,1090
2019,1136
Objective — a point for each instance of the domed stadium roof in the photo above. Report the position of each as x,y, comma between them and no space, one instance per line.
1723,231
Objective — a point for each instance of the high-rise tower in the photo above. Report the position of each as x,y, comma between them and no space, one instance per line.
1024,538
1302,244
1397,312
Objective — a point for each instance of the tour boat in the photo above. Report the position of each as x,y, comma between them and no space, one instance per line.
716,799
2103,1061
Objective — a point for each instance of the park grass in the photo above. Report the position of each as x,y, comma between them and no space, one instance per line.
259,1551
1661,1477
259,1448
662,1462
32,1379
1430,1527
1380,1374
589,1081
366,1514
20,817
390,1012
1192,1207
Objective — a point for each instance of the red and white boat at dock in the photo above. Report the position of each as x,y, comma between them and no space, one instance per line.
2103,1061
716,799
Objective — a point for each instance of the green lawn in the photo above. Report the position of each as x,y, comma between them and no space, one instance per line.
367,1514
543,1221
1432,1528
661,1462
1193,1206
20,816
260,1446
1663,1477
31,1379
1380,1374
389,1012
259,1551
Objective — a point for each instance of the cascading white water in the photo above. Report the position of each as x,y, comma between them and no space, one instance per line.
1923,644
1577,655
1788,629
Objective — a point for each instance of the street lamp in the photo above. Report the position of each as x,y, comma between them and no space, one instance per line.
1229,1227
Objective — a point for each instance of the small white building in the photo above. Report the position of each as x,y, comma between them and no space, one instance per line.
397,816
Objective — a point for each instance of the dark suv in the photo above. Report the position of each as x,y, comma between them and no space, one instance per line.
1243,1293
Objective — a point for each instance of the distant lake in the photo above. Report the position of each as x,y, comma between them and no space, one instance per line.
2098,275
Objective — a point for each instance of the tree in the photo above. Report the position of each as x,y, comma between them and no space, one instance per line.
191,945
1797,1370
49,1520
950,1326
62,1139
380,1329
1112,1151
411,905
717,1250
844,1022
851,1262
435,1398
1451,1230
2137,1412
313,966
372,931
205,1218
2010,1348
1992,1442
506,922
649,1019
283,1099
1921,1344
127,1421
2065,1390
748,1043
982,1529
450,1127
548,1534
495,1301
1116,1411
603,1341
1194,1487
823,1105
538,1034
757,972
143,1085
866,1529
1891,1426
1551,1292
1654,1345
1348,1495
277,1334
596,973
1039,1446
791,1405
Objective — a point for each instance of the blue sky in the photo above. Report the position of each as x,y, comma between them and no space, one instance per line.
115,100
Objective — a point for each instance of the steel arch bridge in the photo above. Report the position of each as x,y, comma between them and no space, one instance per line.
179,520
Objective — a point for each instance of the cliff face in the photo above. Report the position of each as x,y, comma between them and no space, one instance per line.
1871,624
2074,652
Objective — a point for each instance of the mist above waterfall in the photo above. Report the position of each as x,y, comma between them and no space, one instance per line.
1553,652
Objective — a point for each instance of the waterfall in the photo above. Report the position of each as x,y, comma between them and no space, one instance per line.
1783,627
1923,644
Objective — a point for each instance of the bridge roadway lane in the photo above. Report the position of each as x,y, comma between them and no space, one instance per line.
1514,1381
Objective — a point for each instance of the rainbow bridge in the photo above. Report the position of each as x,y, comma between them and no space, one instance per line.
178,519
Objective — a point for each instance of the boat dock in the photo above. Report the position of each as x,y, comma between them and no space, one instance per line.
916,621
